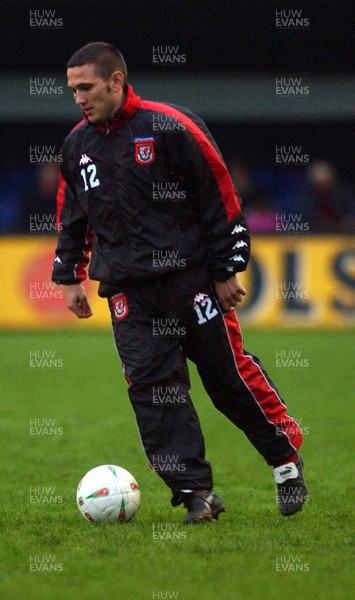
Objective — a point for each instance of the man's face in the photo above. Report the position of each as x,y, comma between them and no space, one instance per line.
99,99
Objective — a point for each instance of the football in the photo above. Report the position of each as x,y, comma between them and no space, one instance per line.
108,494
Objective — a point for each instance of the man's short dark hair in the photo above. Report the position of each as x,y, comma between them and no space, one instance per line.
105,58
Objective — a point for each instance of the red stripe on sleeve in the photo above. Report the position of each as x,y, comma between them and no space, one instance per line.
60,199
81,266
211,155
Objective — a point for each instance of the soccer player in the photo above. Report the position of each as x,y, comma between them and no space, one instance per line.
145,190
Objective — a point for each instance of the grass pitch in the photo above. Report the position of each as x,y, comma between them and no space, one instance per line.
61,420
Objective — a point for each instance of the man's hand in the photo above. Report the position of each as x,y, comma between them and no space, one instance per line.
229,292
77,301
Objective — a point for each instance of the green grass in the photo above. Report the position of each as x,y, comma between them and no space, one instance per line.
232,559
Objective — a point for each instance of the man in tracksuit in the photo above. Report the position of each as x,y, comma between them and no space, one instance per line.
145,190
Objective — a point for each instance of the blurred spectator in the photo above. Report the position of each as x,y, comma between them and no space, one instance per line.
40,205
257,204
327,203
13,187
28,201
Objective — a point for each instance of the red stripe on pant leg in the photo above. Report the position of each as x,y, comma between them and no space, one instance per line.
255,380
128,381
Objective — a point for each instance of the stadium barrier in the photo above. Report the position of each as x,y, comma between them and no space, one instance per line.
292,282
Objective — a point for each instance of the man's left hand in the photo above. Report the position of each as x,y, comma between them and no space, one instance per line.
229,292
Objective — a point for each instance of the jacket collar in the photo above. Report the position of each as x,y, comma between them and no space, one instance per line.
130,106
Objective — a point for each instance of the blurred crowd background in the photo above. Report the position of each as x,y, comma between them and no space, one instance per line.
318,195
230,40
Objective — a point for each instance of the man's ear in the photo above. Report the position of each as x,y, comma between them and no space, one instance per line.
117,81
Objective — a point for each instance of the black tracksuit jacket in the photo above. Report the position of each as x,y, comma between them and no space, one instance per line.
148,194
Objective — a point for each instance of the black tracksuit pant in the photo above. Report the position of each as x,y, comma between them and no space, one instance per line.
157,324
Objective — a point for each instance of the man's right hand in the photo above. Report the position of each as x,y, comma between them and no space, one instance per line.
77,301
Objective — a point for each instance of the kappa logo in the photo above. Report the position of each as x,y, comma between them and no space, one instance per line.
239,244
199,297
144,150
237,258
204,309
119,306
85,159
238,229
